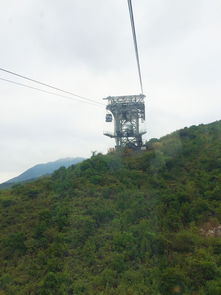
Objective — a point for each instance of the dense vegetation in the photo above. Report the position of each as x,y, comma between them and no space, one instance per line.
127,223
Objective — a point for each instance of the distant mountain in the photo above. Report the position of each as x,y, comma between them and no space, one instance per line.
41,170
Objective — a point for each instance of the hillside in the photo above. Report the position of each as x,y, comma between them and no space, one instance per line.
41,170
127,223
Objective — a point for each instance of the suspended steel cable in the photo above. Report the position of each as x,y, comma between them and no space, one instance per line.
71,93
135,42
48,92
50,86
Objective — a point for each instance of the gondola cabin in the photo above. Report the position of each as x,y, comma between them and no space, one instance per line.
109,118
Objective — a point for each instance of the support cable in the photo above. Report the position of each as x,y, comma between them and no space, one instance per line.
135,43
49,92
50,86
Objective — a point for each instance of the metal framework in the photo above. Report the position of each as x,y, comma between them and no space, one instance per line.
128,112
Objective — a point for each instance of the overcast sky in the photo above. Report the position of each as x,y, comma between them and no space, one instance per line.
86,47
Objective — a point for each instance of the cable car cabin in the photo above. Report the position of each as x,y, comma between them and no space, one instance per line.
109,118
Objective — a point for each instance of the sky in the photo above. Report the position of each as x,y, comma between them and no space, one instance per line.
86,47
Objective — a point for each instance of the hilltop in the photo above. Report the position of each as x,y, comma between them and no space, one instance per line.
123,223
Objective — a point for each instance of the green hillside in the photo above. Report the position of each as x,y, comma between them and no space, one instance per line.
127,223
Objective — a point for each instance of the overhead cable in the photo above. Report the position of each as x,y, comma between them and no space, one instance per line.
135,42
48,92
50,86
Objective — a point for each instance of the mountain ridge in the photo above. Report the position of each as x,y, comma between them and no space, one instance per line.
41,169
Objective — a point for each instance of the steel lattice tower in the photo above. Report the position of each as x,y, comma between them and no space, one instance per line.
128,112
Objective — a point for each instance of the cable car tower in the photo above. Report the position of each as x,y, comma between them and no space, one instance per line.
128,111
